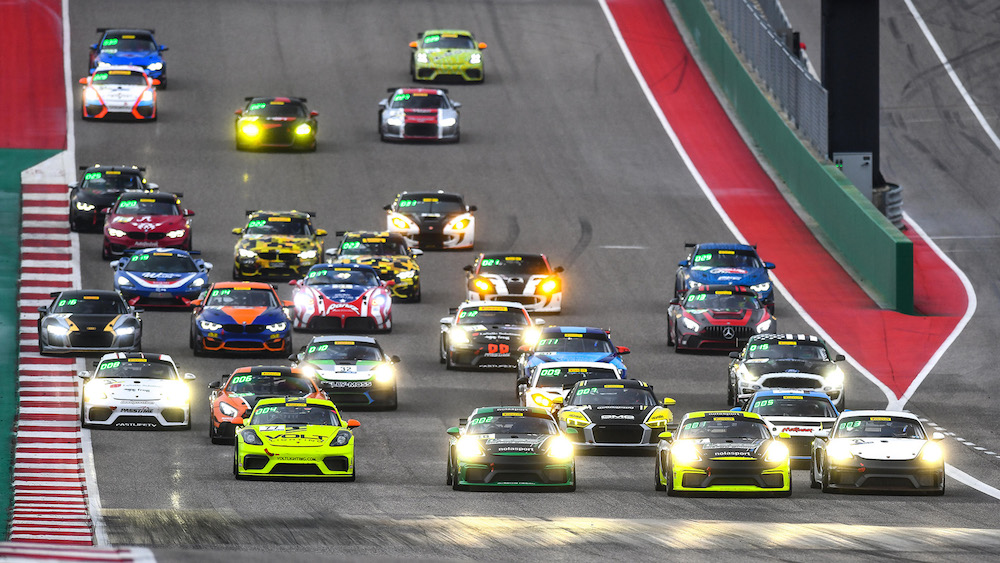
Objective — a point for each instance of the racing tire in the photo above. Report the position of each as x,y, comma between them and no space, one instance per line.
105,253
392,404
813,483
354,474
198,349
213,436
571,488
656,474
458,137
788,493
939,492
448,365
677,344
285,351
730,395
187,425
443,351
670,483
237,276
82,417
163,83
448,479
416,296
825,483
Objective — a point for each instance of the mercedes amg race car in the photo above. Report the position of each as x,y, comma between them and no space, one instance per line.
347,297
88,321
525,278
276,123
796,413
353,370
98,190
277,244
295,437
785,361
146,220
432,220
878,450
447,52
483,334
237,394
241,317
136,390
551,380
725,264
419,114
717,317
119,92
723,452
510,447
571,344
388,254
161,277
613,413
135,47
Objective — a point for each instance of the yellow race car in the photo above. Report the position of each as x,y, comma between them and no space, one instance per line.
294,437
388,253
277,244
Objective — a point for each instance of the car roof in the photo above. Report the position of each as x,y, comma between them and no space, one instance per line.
521,254
725,246
575,330
143,194
158,250
126,31
130,168
72,293
443,31
901,414
342,337
286,99
270,370
296,402
533,411
241,284
131,68
715,288
738,414
799,338
136,355
343,266
573,364
626,383
437,194
510,304
394,237
783,392
291,213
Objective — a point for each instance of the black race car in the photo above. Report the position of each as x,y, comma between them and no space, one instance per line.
98,190
275,123
717,317
88,321
486,334
432,220
613,413
785,361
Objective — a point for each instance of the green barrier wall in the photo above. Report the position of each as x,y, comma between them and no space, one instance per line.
877,252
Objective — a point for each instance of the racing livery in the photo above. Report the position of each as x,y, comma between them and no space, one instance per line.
387,253
796,413
725,264
276,123
243,317
119,92
238,393
277,244
418,114
717,317
136,390
342,297
146,220
486,334
87,321
785,361
133,47
353,370
98,190
510,447
571,344
525,278
613,413
446,52
432,220
551,380
161,277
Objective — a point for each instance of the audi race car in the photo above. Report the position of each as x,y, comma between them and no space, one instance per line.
432,220
418,114
551,380
525,278
277,244
447,53
725,264
276,123
295,437
785,361
238,393
486,334
388,254
161,277
353,370
98,190
796,413
510,447
88,321
136,390
146,220
241,317
347,297
119,91
878,450
723,452
132,47
613,413
714,317
571,344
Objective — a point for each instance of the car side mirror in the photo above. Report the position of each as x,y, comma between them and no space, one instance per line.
668,436
196,302
446,320
353,423
784,436
238,231
314,114
293,358
735,409
456,104
558,402
667,401
238,421
769,265
188,213
93,47
43,310
454,431
287,303
321,232
675,301
190,377
839,358
472,208
468,268
559,269
413,44
416,252
215,385
294,282
389,283
622,350
683,263
395,359
522,381
238,112
388,207
114,266
156,81
734,355
164,48
481,45
822,434
83,374
937,436
539,322
82,81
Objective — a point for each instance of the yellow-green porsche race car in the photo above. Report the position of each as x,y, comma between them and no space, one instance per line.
388,253
294,437
723,452
447,52
277,244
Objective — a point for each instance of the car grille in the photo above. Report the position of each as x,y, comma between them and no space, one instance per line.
792,382
335,463
473,73
100,413
425,72
421,130
515,286
275,255
276,136
173,415
741,332
146,236
255,461
386,275
91,339
241,329
617,434
296,469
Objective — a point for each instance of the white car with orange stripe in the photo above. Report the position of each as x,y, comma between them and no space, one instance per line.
554,379
119,91
136,390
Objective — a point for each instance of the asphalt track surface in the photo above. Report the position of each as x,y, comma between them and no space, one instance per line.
563,155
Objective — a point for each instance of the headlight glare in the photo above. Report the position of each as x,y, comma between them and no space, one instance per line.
155,66
835,378
776,452
458,337
573,418
406,275
83,206
57,330
839,452
178,233
684,452
307,254
448,122
125,330
383,373
761,287
422,58
764,326
549,286
277,327
482,285
250,130
246,253
475,58
560,448
228,410
122,280
932,453
209,325
117,233
469,448
690,324
303,129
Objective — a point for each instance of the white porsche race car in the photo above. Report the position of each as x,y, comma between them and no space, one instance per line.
527,279
119,91
136,390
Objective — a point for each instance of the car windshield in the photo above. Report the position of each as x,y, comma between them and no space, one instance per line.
611,395
346,351
583,343
514,265
879,427
793,405
274,108
724,428
295,414
110,181
708,259
511,423
437,203
89,305
448,41
235,297
164,262
418,100
342,276
136,368
376,246
722,301
787,350
128,43
146,206
560,376
119,77
292,226
242,385
492,315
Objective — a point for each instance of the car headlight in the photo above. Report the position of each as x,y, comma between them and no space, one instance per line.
178,233
209,325
379,300
246,253
84,206
475,58
400,222
307,254
573,418
154,66
560,448
469,448
125,331
103,64
57,330
277,327
122,280
932,453
764,326
460,225
341,439
690,324
549,286
458,337
177,394
835,378
147,96
685,452
839,452
395,120
743,374
422,58
303,301
482,285
228,410
776,453
530,336
94,391
250,130
383,373
693,284
407,274
448,122
90,96
761,287
251,437
303,129
659,418
541,400
198,282
117,233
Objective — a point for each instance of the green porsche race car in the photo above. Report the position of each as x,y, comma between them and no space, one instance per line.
447,52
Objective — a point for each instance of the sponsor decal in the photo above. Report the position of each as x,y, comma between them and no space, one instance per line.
354,384
617,417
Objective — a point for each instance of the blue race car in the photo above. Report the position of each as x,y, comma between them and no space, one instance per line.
132,47
795,412
717,263
161,277
241,317
571,344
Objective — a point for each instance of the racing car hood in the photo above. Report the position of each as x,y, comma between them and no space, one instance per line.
119,92
345,370
131,58
494,330
448,56
718,448
728,276
132,389
883,448
148,223
277,243
342,293
172,279
383,264
761,366
513,444
615,414
100,198
296,435
798,425
252,399
572,357
243,315
85,322
745,317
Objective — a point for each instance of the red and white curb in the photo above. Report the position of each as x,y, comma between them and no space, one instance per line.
10,551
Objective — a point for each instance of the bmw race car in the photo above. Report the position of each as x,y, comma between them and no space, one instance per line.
785,361
353,370
613,413
136,390
725,264
486,334
119,92
146,220
387,253
723,452
277,244
161,277
525,278
510,447
571,344
276,123
418,114
796,413
87,321
551,380
98,190
716,317
342,297
241,317
295,437
238,393
432,220
134,47
447,52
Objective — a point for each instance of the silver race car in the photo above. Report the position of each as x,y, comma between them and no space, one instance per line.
418,114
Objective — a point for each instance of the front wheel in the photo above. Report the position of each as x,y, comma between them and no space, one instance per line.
731,394
813,483
443,353
669,475
825,483
659,486
448,480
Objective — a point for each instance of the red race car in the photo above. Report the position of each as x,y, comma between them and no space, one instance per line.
335,297
141,219
717,317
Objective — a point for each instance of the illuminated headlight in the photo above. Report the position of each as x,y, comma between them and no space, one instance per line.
460,225
684,452
560,448
406,275
103,64
198,282
573,418
776,453
839,452
448,122
395,120
250,437
122,280
530,336
117,233
400,222
147,96
245,253
303,301
482,285
469,448
277,327
177,394
693,284
458,337
209,325
154,66
690,324
932,453
303,129
761,287
659,418
834,379
549,286
250,130
83,206
94,391
743,374
541,400
125,331
176,233
341,439
56,330
422,58
379,300
475,58
228,410
383,373
764,326
307,255
90,96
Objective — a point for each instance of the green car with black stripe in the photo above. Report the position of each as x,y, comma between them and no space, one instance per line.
447,52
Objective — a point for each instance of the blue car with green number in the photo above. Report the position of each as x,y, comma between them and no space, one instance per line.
161,277
571,344
132,47
715,263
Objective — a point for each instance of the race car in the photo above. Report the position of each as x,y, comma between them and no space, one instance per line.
146,220
602,414
119,92
432,220
277,244
135,47
571,344
347,297
785,361
88,321
388,254
238,393
241,317
98,190
718,263
295,437
717,317
878,450
481,334
510,447
160,277
446,52
525,278
136,390
723,452
550,380
418,114
353,370
796,413
276,123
